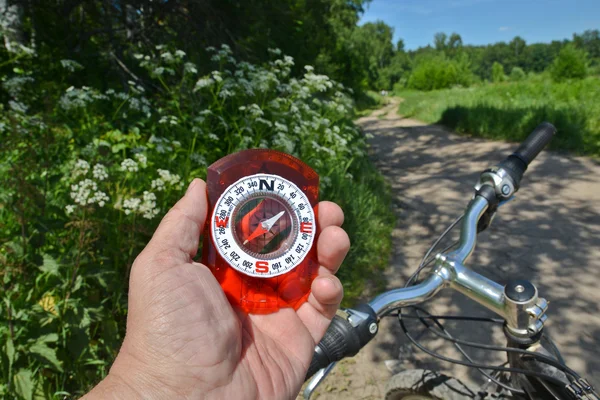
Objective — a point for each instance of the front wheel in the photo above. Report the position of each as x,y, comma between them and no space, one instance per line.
420,384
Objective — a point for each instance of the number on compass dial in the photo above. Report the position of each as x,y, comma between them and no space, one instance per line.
263,225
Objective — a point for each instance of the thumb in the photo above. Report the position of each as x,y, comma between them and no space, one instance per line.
180,229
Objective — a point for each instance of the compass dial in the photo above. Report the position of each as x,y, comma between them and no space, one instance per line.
263,225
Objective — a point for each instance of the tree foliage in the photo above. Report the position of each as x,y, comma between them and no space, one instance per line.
571,63
498,72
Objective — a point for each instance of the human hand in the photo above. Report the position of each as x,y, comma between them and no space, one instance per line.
184,340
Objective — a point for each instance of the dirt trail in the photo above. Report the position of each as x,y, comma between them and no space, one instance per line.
549,234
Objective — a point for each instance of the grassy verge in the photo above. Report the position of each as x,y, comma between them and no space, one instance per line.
510,111
368,101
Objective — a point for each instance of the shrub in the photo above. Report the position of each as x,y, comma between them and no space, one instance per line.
498,72
517,74
86,173
439,72
571,63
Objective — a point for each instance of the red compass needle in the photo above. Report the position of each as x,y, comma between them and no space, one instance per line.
264,227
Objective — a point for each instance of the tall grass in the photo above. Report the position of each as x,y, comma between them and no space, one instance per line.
511,110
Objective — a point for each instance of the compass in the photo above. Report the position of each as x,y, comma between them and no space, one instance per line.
262,229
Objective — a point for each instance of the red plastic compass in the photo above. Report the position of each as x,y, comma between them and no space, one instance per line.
262,229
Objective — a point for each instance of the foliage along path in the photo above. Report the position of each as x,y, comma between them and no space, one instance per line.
549,234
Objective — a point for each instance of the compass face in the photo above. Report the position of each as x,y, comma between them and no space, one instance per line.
263,225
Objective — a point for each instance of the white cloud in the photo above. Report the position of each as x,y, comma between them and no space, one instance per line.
504,28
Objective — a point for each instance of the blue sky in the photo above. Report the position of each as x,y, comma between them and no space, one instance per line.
485,21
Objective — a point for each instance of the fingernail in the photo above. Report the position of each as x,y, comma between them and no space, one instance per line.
192,184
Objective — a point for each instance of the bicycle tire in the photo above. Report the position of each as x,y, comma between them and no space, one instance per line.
424,384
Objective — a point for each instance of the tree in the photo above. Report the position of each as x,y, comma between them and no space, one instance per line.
590,42
571,63
440,41
373,42
498,72
517,45
517,74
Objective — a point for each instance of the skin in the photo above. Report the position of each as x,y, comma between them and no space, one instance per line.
183,338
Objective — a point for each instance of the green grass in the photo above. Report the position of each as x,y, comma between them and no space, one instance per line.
367,101
511,110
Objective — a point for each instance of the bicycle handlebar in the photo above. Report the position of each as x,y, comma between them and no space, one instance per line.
342,338
516,164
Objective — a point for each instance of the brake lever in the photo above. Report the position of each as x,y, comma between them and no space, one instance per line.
316,380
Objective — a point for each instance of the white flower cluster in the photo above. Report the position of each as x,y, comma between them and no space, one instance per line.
99,172
74,98
141,159
163,145
86,192
80,168
15,85
129,165
145,206
165,178
168,119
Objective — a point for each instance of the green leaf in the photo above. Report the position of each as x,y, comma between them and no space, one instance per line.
10,351
50,265
49,338
49,354
24,384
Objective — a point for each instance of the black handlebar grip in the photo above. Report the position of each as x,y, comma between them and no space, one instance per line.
516,164
535,142
343,339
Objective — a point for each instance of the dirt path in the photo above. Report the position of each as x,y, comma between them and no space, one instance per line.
549,234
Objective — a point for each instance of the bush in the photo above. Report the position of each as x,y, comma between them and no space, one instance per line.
517,74
439,72
571,63
86,173
498,72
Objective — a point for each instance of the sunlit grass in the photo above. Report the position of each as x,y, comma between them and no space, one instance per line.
511,110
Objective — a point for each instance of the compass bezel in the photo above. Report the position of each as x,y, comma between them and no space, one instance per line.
227,243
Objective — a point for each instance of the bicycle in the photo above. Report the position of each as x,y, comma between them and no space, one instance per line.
534,367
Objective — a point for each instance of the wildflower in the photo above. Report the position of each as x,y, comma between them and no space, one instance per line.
198,158
203,82
255,111
148,206
190,68
141,159
15,85
216,75
179,53
80,168
309,68
167,56
212,136
264,121
18,106
131,205
281,127
48,303
69,209
168,177
99,172
129,165
86,192
226,93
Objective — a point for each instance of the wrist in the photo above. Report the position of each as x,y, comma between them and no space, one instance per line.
126,380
